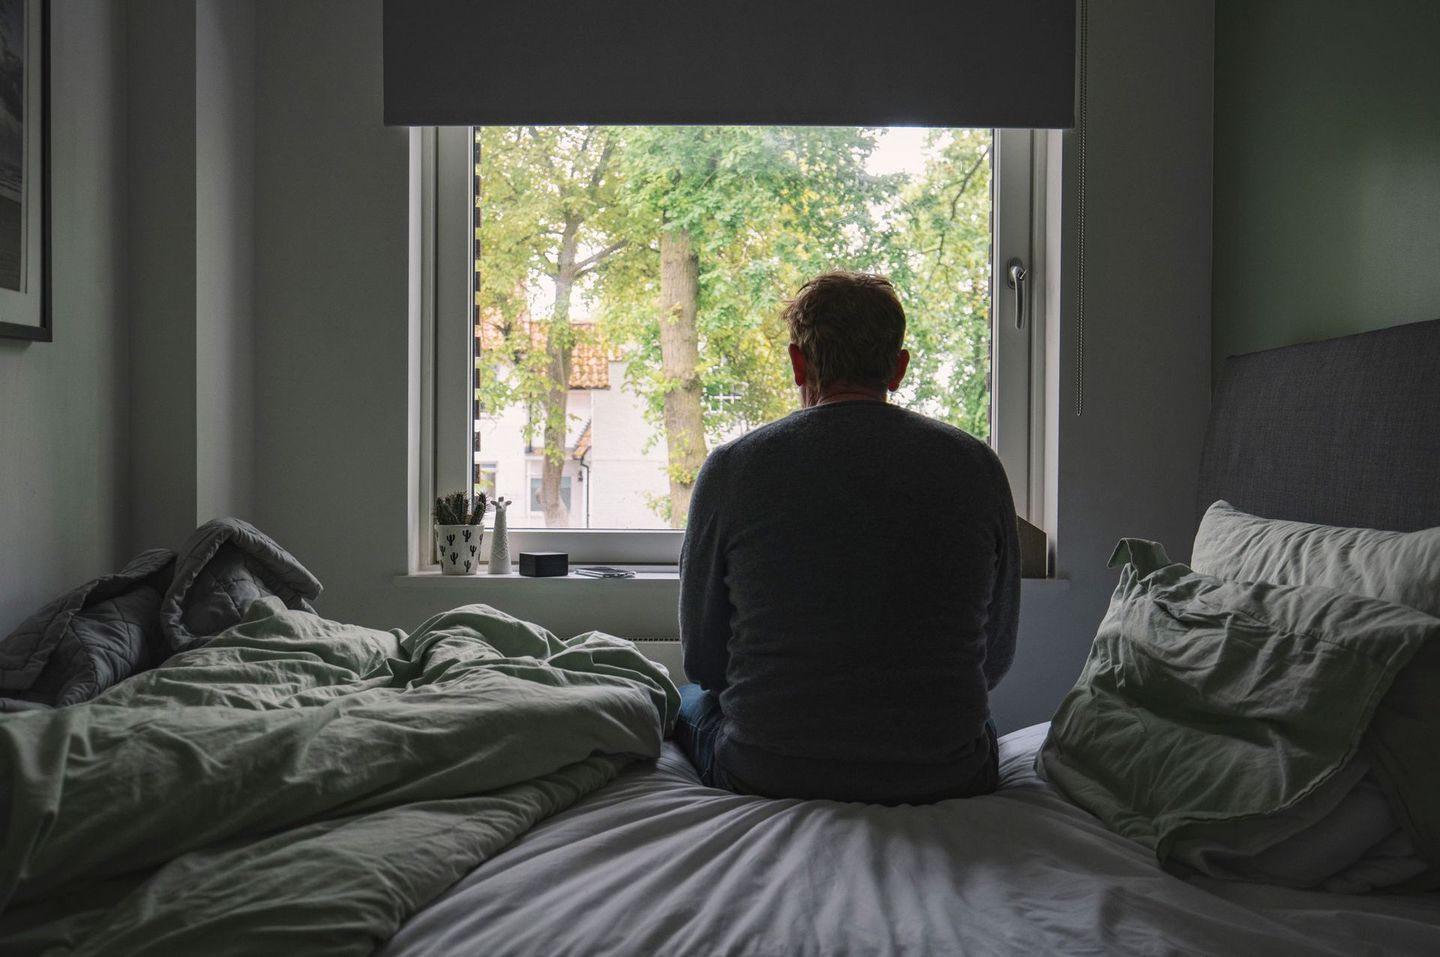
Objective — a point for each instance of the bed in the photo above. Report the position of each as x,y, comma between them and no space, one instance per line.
1345,432
658,864
293,785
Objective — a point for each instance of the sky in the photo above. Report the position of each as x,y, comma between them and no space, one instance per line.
901,149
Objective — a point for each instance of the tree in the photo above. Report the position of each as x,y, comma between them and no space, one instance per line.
547,213
688,240
943,274
743,216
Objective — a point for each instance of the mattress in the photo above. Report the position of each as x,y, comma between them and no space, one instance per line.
657,863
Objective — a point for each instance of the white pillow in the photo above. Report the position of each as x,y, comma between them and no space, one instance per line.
1402,567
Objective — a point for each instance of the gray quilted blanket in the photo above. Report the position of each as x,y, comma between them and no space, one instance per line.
225,566
118,625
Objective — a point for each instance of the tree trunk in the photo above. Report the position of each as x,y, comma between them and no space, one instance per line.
559,344
679,359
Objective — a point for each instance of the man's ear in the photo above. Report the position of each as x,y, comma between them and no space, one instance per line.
797,363
902,362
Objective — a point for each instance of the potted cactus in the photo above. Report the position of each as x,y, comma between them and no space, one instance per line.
458,532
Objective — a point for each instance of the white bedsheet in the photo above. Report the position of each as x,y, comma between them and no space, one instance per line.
656,863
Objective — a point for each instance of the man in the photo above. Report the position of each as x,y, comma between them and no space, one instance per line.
849,582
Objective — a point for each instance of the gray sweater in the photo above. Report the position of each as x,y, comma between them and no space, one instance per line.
849,585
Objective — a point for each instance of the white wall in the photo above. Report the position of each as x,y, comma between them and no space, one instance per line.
333,409
503,444
625,468
625,475
63,422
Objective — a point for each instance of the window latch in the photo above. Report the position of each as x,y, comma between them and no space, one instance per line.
1015,276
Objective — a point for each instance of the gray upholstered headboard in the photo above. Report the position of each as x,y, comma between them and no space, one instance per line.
1341,432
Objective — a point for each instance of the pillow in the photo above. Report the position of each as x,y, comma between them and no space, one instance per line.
1403,567
1210,711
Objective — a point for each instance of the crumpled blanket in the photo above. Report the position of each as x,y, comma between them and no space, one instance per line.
227,564
301,786
118,625
87,639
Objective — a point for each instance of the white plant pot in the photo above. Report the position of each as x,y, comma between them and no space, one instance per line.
459,548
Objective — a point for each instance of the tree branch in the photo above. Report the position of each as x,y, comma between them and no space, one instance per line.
584,149
955,205
965,183
589,262
598,173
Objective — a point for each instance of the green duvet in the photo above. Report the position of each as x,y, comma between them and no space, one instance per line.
301,786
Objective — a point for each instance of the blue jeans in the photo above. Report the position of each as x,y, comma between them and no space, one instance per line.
698,726
696,729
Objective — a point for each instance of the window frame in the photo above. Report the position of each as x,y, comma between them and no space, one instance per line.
447,176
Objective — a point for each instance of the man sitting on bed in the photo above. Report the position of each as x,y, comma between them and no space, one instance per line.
849,582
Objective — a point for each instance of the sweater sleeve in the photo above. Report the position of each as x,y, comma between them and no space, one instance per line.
705,608
1003,619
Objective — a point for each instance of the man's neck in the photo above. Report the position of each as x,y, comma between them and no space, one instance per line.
842,392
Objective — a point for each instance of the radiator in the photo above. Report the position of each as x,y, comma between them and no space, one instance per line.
664,650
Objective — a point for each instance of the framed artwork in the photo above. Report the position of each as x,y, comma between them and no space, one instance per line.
25,169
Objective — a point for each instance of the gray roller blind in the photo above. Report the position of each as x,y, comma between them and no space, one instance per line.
979,63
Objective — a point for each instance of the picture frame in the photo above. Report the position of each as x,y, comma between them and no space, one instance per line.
25,170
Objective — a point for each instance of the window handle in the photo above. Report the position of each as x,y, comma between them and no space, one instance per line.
1015,276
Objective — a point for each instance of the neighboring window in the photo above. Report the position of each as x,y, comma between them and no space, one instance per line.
485,475
537,505
625,288
719,398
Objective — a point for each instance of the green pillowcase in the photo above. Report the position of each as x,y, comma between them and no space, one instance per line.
1207,705
1403,567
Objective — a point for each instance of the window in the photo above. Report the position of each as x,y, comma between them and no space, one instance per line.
485,478
720,397
558,249
537,505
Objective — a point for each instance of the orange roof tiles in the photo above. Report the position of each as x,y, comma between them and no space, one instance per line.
582,444
589,361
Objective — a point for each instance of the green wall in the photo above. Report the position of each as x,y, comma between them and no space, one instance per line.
1327,169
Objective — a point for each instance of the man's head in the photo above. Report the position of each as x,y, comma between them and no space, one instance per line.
845,332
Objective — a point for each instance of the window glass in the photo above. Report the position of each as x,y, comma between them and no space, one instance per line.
485,479
537,504
628,283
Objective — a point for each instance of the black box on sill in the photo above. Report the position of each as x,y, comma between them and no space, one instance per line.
544,564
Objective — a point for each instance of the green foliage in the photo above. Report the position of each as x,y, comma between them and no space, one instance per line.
455,509
943,277
537,185
764,210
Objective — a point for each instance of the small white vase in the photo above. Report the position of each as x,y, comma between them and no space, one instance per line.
459,548
499,542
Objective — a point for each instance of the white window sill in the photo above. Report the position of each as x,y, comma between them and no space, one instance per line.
643,573
645,576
